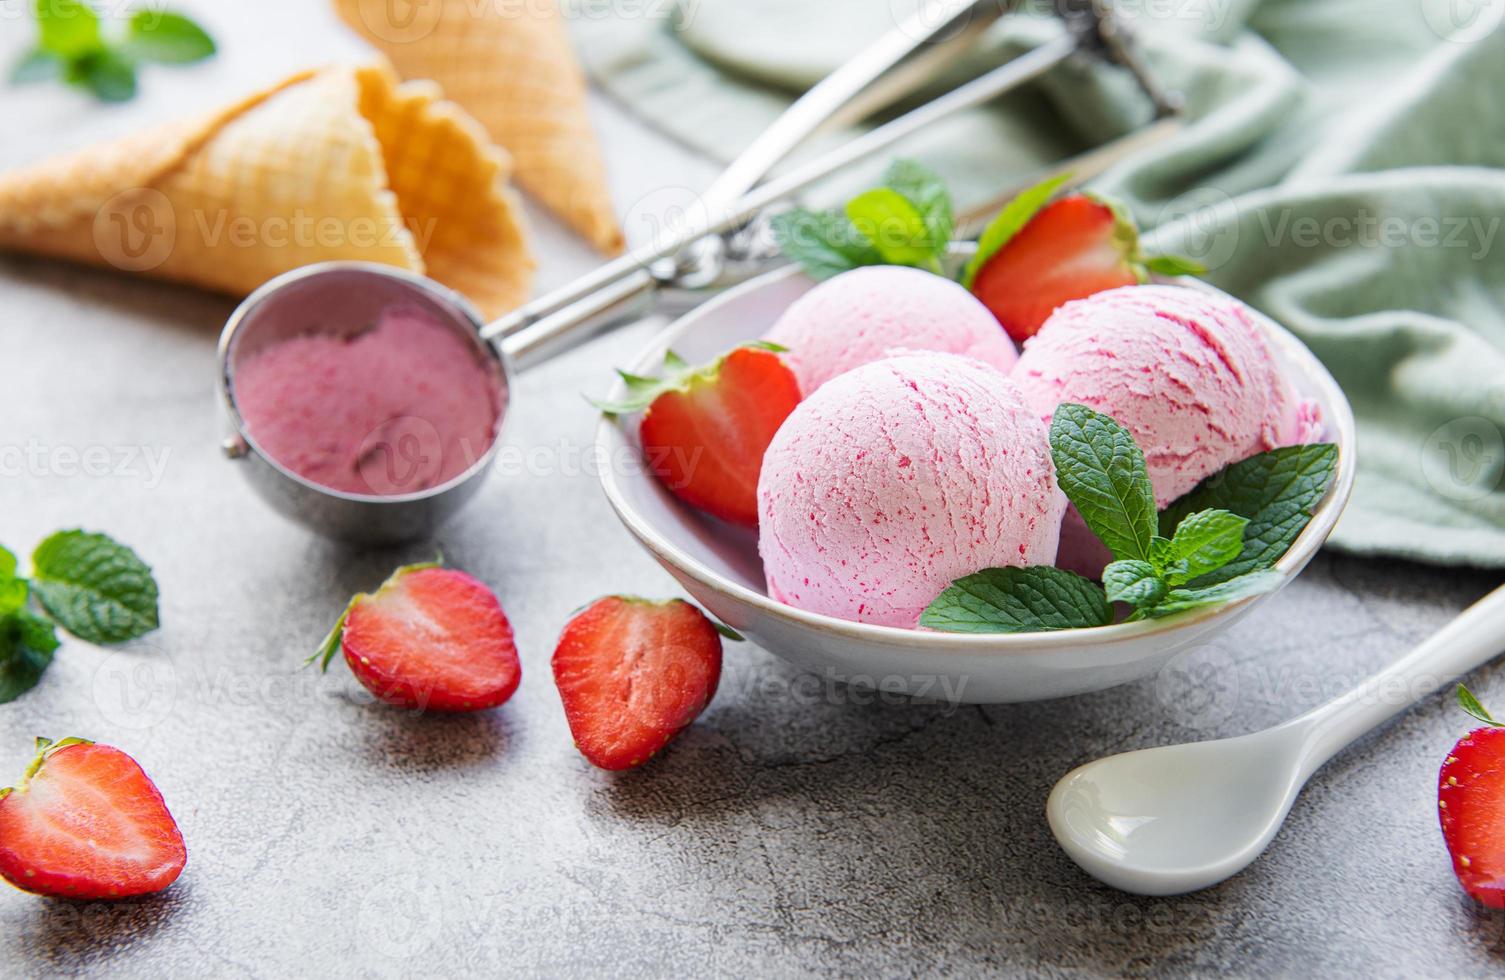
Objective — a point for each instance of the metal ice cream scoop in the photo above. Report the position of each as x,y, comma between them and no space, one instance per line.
700,251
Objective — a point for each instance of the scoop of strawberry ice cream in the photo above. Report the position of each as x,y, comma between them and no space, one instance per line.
897,478
1188,373
404,406
864,315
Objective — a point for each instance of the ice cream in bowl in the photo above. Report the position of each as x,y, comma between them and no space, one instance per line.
940,513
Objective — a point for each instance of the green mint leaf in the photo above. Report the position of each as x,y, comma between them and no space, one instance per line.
1009,222
1174,265
167,38
1204,542
36,66
1136,582
1018,600
1182,600
894,225
108,74
26,645
925,189
13,588
1469,703
823,243
1277,491
1103,473
68,29
94,587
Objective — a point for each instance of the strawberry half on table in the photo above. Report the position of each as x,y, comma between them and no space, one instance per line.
430,638
1040,253
633,674
86,822
705,429
1471,805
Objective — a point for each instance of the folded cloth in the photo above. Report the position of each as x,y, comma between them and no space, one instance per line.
1340,170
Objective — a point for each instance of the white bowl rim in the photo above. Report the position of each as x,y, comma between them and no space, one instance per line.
1306,545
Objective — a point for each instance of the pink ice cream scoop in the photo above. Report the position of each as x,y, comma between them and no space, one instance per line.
399,408
864,315
1187,372
897,478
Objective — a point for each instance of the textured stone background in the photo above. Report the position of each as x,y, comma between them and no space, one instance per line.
790,832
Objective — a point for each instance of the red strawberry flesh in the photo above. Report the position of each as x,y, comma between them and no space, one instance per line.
1471,808
89,824
435,639
633,674
706,440
1073,248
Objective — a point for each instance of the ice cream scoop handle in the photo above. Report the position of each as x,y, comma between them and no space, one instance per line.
1474,638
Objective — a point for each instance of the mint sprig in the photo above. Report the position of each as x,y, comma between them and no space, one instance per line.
907,221
92,586
73,46
1201,556
1277,491
1018,600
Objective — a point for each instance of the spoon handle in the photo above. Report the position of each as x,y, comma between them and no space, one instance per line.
1474,638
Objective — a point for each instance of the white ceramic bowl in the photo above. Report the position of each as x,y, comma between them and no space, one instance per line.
718,564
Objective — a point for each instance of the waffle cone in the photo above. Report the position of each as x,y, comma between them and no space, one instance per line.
342,163
509,63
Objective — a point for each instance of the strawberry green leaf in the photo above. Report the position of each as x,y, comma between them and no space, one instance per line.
27,642
1183,600
924,188
728,632
94,587
1009,222
1470,704
894,225
168,38
1103,473
823,243
1276,491
1136,582
1204,542
678,376
1174,265
333,639
1018,600
68,29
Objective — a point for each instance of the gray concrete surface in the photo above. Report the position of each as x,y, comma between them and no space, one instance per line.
794,830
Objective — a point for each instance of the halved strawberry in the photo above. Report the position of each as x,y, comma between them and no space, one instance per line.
1035,256
706,428
633,674
86,822
431,638
1471,806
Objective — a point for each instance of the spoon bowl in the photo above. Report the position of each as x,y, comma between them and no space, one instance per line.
1179,818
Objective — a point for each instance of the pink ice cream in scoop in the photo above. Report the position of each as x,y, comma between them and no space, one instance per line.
866,314
1187,372
897,478
399,408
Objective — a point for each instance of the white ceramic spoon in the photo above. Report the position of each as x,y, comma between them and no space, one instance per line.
1183,817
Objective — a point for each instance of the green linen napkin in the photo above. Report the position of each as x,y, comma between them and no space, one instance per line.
1341,171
